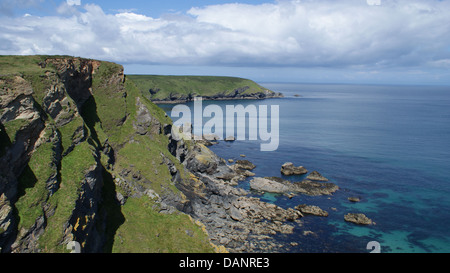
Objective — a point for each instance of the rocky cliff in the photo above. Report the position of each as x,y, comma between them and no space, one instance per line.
86,157
77,142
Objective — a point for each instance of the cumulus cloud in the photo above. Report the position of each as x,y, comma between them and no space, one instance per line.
285,33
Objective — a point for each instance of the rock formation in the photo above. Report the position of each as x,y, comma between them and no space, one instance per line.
358,218
279,185
288,168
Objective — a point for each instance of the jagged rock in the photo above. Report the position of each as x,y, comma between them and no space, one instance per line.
245,164
358,218
288,168
314,210
145,123
316,176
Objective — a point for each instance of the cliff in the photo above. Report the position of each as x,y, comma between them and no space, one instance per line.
180,89
86,157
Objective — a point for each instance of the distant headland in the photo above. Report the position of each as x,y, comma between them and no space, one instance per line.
181,89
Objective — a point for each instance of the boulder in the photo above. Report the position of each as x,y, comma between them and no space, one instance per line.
245,164
316,176
313,210
358,218
288,168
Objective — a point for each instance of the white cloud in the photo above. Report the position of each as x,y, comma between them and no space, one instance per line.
285,33
74,2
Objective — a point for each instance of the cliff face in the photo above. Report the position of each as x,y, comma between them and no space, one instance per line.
77,142
86,157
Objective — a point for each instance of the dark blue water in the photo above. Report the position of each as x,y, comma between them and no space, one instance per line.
388,145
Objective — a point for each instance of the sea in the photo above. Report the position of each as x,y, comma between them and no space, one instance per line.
387,145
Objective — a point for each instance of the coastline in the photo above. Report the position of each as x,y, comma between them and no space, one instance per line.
207,98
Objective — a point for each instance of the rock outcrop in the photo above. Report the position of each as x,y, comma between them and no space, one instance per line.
288,168
313,210
316,176
358,218
279,185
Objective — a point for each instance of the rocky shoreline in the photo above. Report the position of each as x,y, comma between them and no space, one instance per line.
235,220
218,97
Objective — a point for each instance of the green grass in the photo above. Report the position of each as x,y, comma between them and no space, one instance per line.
68,132
73,169
32,183
12,65
178,86
13,126
147,231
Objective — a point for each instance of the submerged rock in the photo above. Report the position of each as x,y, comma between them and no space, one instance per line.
354,199
288,168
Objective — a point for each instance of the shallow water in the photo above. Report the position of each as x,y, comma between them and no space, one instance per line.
388,145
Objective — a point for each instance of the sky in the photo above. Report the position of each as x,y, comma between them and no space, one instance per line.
311,41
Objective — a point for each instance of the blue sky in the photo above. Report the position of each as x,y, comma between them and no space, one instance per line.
320,41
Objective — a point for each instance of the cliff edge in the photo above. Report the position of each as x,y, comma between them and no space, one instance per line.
86,157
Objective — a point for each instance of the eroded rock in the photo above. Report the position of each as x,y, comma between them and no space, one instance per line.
288,168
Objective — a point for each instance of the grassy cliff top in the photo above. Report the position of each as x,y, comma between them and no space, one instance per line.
160,88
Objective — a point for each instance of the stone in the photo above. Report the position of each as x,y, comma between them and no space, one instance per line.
288,168
316,176
358,218
313,210
354,199
245,164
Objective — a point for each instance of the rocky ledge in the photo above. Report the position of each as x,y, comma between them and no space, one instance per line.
279,185
232,218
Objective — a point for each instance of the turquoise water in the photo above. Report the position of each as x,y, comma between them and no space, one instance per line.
388,145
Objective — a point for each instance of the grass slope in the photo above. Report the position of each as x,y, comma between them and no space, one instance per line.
158,87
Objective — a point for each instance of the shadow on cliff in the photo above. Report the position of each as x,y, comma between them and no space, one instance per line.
5,142
89,114
112,209
27,179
